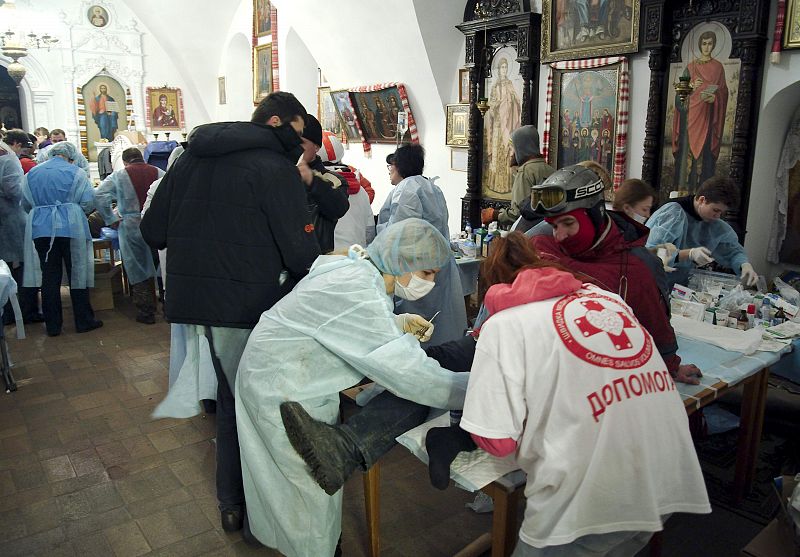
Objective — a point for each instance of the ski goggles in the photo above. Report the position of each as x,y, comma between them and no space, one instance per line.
550,198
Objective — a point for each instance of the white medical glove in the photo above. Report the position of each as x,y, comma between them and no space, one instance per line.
749,275
701,256
666,253
416,325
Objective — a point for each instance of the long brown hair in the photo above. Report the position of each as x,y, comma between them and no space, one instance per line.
632,191
510,256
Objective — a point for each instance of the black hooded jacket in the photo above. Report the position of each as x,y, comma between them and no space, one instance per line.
232,212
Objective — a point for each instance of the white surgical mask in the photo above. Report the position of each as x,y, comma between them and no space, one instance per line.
416,289
641,219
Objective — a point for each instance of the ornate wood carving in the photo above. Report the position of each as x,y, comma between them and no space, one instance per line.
484,9
666,25
651,162
510,24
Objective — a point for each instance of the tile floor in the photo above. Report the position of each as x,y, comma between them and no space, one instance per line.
85,471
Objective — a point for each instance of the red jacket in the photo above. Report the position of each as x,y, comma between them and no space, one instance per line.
27,163
617,264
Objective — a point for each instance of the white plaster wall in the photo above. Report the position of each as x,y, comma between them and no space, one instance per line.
236,64
780,97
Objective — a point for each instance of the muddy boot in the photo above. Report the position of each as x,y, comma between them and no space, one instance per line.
443,445
328,452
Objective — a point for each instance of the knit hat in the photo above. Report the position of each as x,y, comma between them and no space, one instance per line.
313,130
526,143
332,149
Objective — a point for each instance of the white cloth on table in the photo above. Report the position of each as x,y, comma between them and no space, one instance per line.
727,338
8,292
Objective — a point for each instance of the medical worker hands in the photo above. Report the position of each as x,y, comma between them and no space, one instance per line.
701,256
688,374
416,325
749,275
665,256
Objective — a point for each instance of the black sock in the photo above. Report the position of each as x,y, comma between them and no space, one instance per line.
443,445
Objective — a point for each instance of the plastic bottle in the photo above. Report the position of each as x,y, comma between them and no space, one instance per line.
751,315
468,230
764,309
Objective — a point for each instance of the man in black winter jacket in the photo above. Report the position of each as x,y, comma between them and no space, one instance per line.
327,195
232,211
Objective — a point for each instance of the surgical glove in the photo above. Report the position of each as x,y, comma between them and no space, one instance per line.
416,325
749,275
701,256
666,253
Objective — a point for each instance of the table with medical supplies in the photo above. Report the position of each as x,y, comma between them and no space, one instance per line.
722,370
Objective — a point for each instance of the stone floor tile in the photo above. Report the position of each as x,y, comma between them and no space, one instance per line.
96,522
147,507
86,461
57,469
126,540
28,477
164,440
113,453
147,484
160,530
79,482
94,545
7,486
42,543
189,472
139,446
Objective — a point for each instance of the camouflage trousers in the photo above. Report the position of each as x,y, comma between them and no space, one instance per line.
144,298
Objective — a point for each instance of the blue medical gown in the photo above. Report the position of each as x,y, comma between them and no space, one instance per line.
416,196
326,335
136,254
57,196
81,162
12,216
671,224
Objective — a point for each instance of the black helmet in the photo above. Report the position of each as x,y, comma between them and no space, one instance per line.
569,188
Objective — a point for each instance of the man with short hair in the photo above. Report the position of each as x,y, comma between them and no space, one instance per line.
232,212
533,169
22,145
56,136
42,137
128,188
694,224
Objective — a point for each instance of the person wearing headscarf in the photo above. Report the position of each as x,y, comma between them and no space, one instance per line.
416,196
128,188
334,329
57,196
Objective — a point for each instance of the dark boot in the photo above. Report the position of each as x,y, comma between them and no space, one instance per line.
232,519
443,445
328,452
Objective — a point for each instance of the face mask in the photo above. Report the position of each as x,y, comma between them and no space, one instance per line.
641,219
416,289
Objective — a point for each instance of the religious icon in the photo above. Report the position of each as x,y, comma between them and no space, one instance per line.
164,108
463,85
98,16
586,102
588,28
502,118
104,103
378,112
698,131
344,107
221,90
326,111
262,24
262,72
457,125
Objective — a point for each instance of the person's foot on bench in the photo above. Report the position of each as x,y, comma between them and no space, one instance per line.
443,445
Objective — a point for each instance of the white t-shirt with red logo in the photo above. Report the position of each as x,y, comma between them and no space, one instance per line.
601,430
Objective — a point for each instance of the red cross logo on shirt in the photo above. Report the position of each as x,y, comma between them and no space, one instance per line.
599,318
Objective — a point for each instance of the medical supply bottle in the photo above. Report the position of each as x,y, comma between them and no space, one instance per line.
741,320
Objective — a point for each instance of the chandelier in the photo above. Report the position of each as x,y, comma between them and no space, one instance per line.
15,46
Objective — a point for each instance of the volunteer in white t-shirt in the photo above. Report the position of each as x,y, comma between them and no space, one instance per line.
566,378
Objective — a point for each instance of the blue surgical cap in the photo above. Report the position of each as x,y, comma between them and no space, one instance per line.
64,148
407,246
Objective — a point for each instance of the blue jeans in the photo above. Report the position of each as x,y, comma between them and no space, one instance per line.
374,429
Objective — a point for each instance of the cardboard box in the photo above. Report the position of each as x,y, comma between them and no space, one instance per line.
778,539
106,286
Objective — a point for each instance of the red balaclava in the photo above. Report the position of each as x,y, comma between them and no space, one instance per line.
581,240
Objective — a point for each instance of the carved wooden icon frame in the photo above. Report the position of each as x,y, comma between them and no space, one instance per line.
488,26
665,25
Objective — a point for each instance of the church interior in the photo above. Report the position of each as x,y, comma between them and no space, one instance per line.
670,94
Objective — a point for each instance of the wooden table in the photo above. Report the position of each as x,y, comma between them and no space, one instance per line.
750,372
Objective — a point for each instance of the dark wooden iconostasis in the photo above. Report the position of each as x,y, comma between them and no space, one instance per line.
722,143
501,35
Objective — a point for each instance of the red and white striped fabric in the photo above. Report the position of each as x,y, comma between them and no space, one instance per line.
276,82
401,90
623,101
